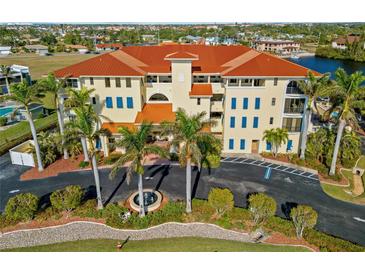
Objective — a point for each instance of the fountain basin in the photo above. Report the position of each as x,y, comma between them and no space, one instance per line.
152,200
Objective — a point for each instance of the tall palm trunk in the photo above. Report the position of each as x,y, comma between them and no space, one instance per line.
97,181
62,127
7,84
84,149
303,143
142,212
341,126
188,185
35,139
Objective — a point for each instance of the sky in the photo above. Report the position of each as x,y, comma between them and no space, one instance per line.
182,11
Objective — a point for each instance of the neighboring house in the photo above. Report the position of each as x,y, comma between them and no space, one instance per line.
149,37
39,49
277,46
191,39
211,41
18,74
108,47
5,50
243,90
80,48
342,42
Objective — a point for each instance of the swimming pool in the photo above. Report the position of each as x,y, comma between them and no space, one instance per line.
6,110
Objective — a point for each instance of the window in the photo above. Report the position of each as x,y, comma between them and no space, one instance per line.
259,83
233,103
129,102
107,82
245,103
198,101
91,81
244,122
292,124
231,144
200,79
268,145
165,79
233,82
273,101
289,146
117,83
271,120
158,97
232,122
293,88
151,79
128,82
73,83
257,103
275,81
242,144
93,100
108,102
215,79
246,82
255,122
119,102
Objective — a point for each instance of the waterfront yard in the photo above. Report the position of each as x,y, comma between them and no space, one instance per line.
160,245
20,132
42,65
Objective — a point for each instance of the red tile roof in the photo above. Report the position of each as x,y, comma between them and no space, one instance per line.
226,60
113,127
201,90
155,113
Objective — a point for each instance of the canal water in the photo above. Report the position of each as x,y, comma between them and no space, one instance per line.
324,65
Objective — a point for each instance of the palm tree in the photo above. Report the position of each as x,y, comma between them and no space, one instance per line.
53,88
6,72
84,125
346,93
137,148
276,137
80,98
312,87
187,132
25,95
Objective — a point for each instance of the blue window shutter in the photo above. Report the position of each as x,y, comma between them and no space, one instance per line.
268,146
257,103
244,121
289,146
255,122
242,144
232,122
233,103
109,102
245,103
129,102
119,102
98,144
231,143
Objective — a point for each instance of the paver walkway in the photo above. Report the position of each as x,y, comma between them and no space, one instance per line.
358,185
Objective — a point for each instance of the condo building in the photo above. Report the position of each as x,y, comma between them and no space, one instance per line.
243,90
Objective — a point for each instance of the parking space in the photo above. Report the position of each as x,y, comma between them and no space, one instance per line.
242,160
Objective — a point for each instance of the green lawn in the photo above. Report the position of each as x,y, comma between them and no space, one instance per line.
42,65
160,245
361,163
20,132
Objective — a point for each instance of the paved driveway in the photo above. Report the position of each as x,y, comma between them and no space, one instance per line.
288,189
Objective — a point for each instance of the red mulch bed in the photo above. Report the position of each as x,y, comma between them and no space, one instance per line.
53,169
278,238
41,224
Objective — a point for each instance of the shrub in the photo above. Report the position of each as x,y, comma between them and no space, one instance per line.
280,225
303,217
3,121
262,207
88,210
174,157
112,214
221,200
21,207
329,243
68,198
112,158
84,164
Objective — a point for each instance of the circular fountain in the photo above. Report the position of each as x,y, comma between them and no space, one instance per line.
152,200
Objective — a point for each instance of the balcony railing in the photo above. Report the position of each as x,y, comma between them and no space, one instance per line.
216,106
292,128
294,109
293,90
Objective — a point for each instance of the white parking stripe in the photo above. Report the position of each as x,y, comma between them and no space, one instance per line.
14,191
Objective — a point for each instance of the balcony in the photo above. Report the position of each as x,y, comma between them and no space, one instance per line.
216,106
294,110
293,90
218,127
